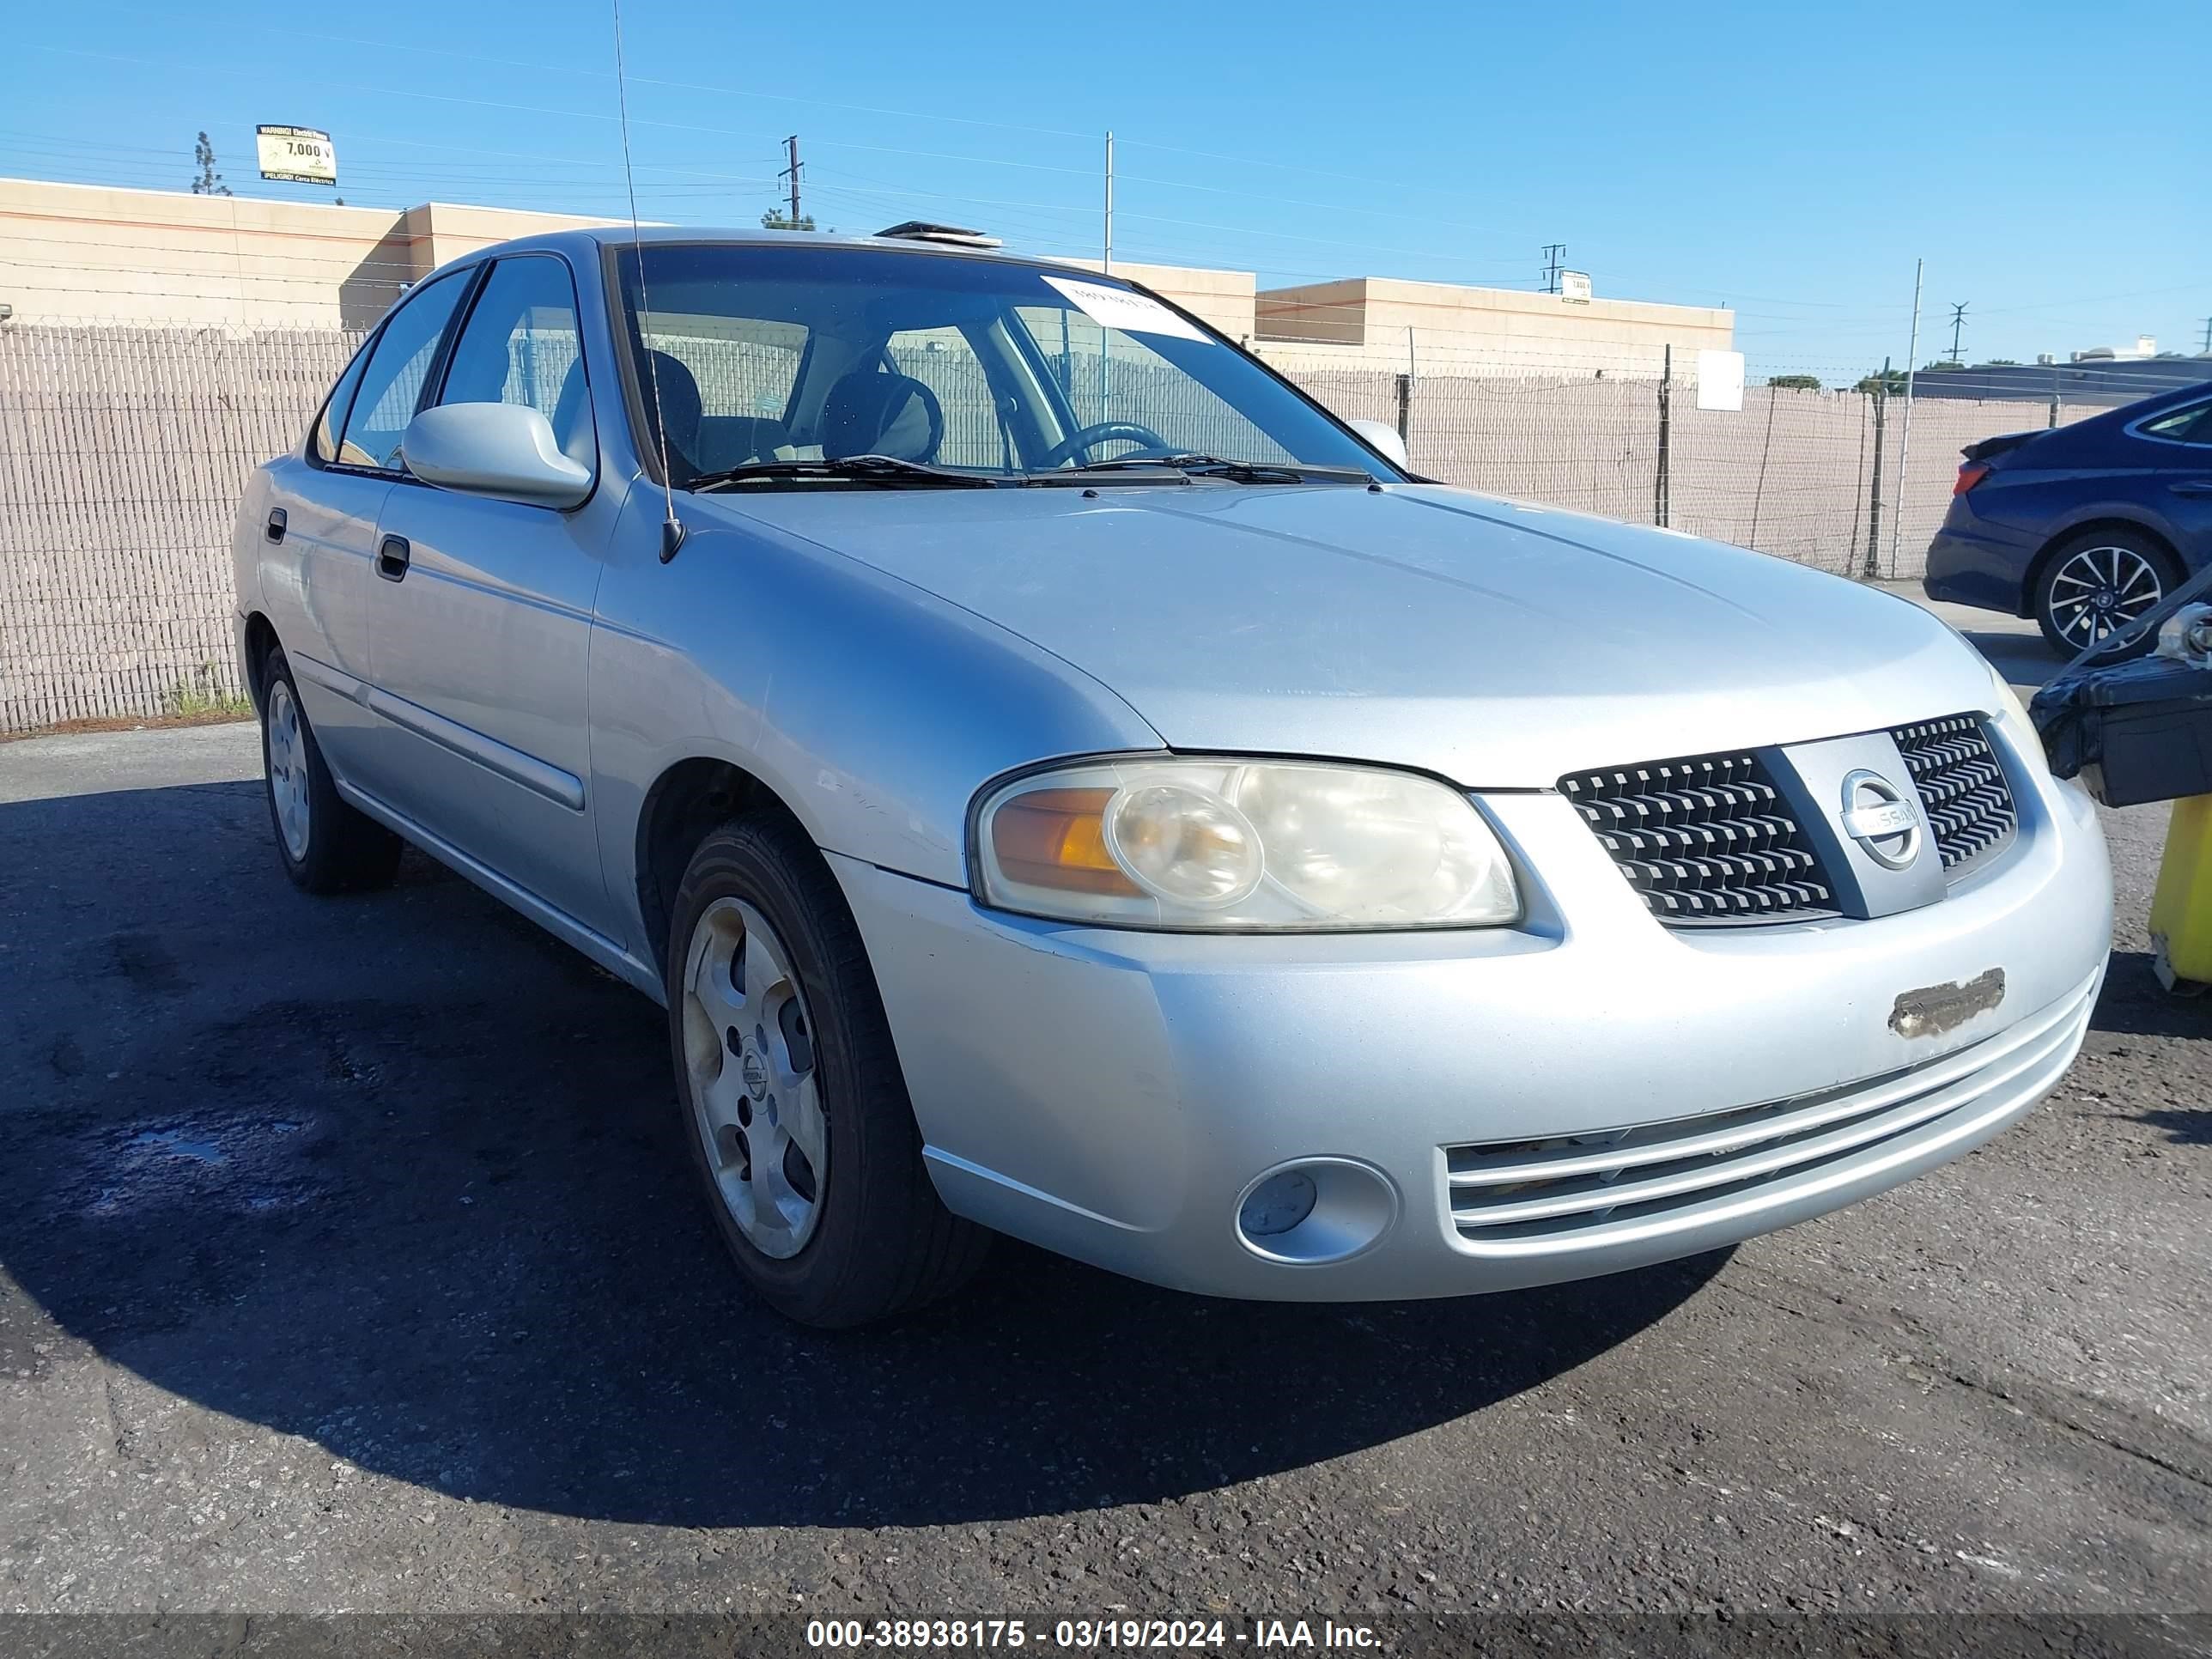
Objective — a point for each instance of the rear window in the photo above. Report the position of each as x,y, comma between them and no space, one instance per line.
324,444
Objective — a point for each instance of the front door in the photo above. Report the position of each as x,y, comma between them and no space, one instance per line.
481,612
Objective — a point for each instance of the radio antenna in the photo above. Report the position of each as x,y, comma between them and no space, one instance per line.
672,527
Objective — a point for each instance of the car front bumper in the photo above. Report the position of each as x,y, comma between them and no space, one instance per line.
1113,1095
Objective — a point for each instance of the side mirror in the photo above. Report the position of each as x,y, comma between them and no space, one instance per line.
1383,441
504,450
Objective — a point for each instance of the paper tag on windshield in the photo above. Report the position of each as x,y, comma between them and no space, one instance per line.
1118,308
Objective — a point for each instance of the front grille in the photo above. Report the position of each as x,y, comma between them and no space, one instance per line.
1962,787
1704,839
1509,1197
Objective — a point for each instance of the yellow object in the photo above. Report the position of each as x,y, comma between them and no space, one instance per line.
2181,909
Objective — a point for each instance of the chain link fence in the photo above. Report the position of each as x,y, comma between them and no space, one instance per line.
123,452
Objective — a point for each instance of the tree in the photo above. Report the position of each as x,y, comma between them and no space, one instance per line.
209,182
775,219
1793,382
1944,366
2000,362
1888,380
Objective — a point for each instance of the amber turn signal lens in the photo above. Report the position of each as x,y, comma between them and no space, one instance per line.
1057,838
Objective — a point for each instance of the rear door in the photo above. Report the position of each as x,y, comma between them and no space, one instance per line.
315,533
316,556
2178,442
481,612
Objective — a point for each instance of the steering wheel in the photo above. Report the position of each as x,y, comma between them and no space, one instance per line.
1105,432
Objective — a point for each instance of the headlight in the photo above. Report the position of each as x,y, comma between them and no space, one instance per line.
1239,846
2010,704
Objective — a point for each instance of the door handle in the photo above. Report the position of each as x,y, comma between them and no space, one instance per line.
2192,487
275,528
391,557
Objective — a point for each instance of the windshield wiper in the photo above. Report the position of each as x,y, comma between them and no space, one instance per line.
1212,466
864,469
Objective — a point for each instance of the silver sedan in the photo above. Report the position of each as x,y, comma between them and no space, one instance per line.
1062,781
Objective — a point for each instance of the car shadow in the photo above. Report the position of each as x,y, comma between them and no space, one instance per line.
2134,1004
2186,1125
399,1175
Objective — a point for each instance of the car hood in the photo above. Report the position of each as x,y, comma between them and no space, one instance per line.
1496,643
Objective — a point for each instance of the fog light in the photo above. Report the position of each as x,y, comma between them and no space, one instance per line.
1316,1211
1277,1204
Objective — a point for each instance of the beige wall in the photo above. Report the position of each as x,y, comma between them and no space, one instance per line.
1363,322
1221,298
89,253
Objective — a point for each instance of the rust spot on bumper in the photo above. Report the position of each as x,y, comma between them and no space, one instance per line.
1934,1009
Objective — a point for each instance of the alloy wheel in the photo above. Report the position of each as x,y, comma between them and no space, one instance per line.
2101,590
755,1098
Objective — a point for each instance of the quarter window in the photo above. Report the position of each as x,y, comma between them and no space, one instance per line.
2192,425
520,345
399,364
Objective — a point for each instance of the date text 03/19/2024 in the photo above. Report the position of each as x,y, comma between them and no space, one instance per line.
1080,1635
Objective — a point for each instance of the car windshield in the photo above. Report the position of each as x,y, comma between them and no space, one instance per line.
765,366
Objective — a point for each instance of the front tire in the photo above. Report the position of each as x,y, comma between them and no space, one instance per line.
327,846
794,1107
2098,583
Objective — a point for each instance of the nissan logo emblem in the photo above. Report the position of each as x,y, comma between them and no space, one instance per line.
1878,817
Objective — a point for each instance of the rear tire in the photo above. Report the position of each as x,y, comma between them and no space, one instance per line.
2098,583
327,846
795,1110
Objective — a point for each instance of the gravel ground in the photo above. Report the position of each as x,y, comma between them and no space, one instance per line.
347,1260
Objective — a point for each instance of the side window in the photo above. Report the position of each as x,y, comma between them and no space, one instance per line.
2191,425
1107,375
398,365
942,360
323,443
520,345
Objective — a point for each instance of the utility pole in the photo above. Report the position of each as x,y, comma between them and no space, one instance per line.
791,172
1873,566
1661,481
1957,322
1905,444
2207,336
1108,264
1555,254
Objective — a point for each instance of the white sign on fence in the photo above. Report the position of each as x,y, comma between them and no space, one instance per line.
1720,379
300,156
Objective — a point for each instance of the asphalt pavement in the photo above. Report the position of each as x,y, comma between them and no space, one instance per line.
349,1261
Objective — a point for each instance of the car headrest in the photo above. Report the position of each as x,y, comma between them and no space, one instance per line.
571,420
872,413
677,391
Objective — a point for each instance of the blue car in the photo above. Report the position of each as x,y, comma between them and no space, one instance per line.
2082,527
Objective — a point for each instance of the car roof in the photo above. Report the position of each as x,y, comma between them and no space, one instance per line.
585,241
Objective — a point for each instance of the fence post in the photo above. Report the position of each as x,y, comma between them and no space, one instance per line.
2054,409
1660,480
1406,412
1873,496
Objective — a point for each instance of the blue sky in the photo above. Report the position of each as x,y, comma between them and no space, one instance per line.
2050,161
